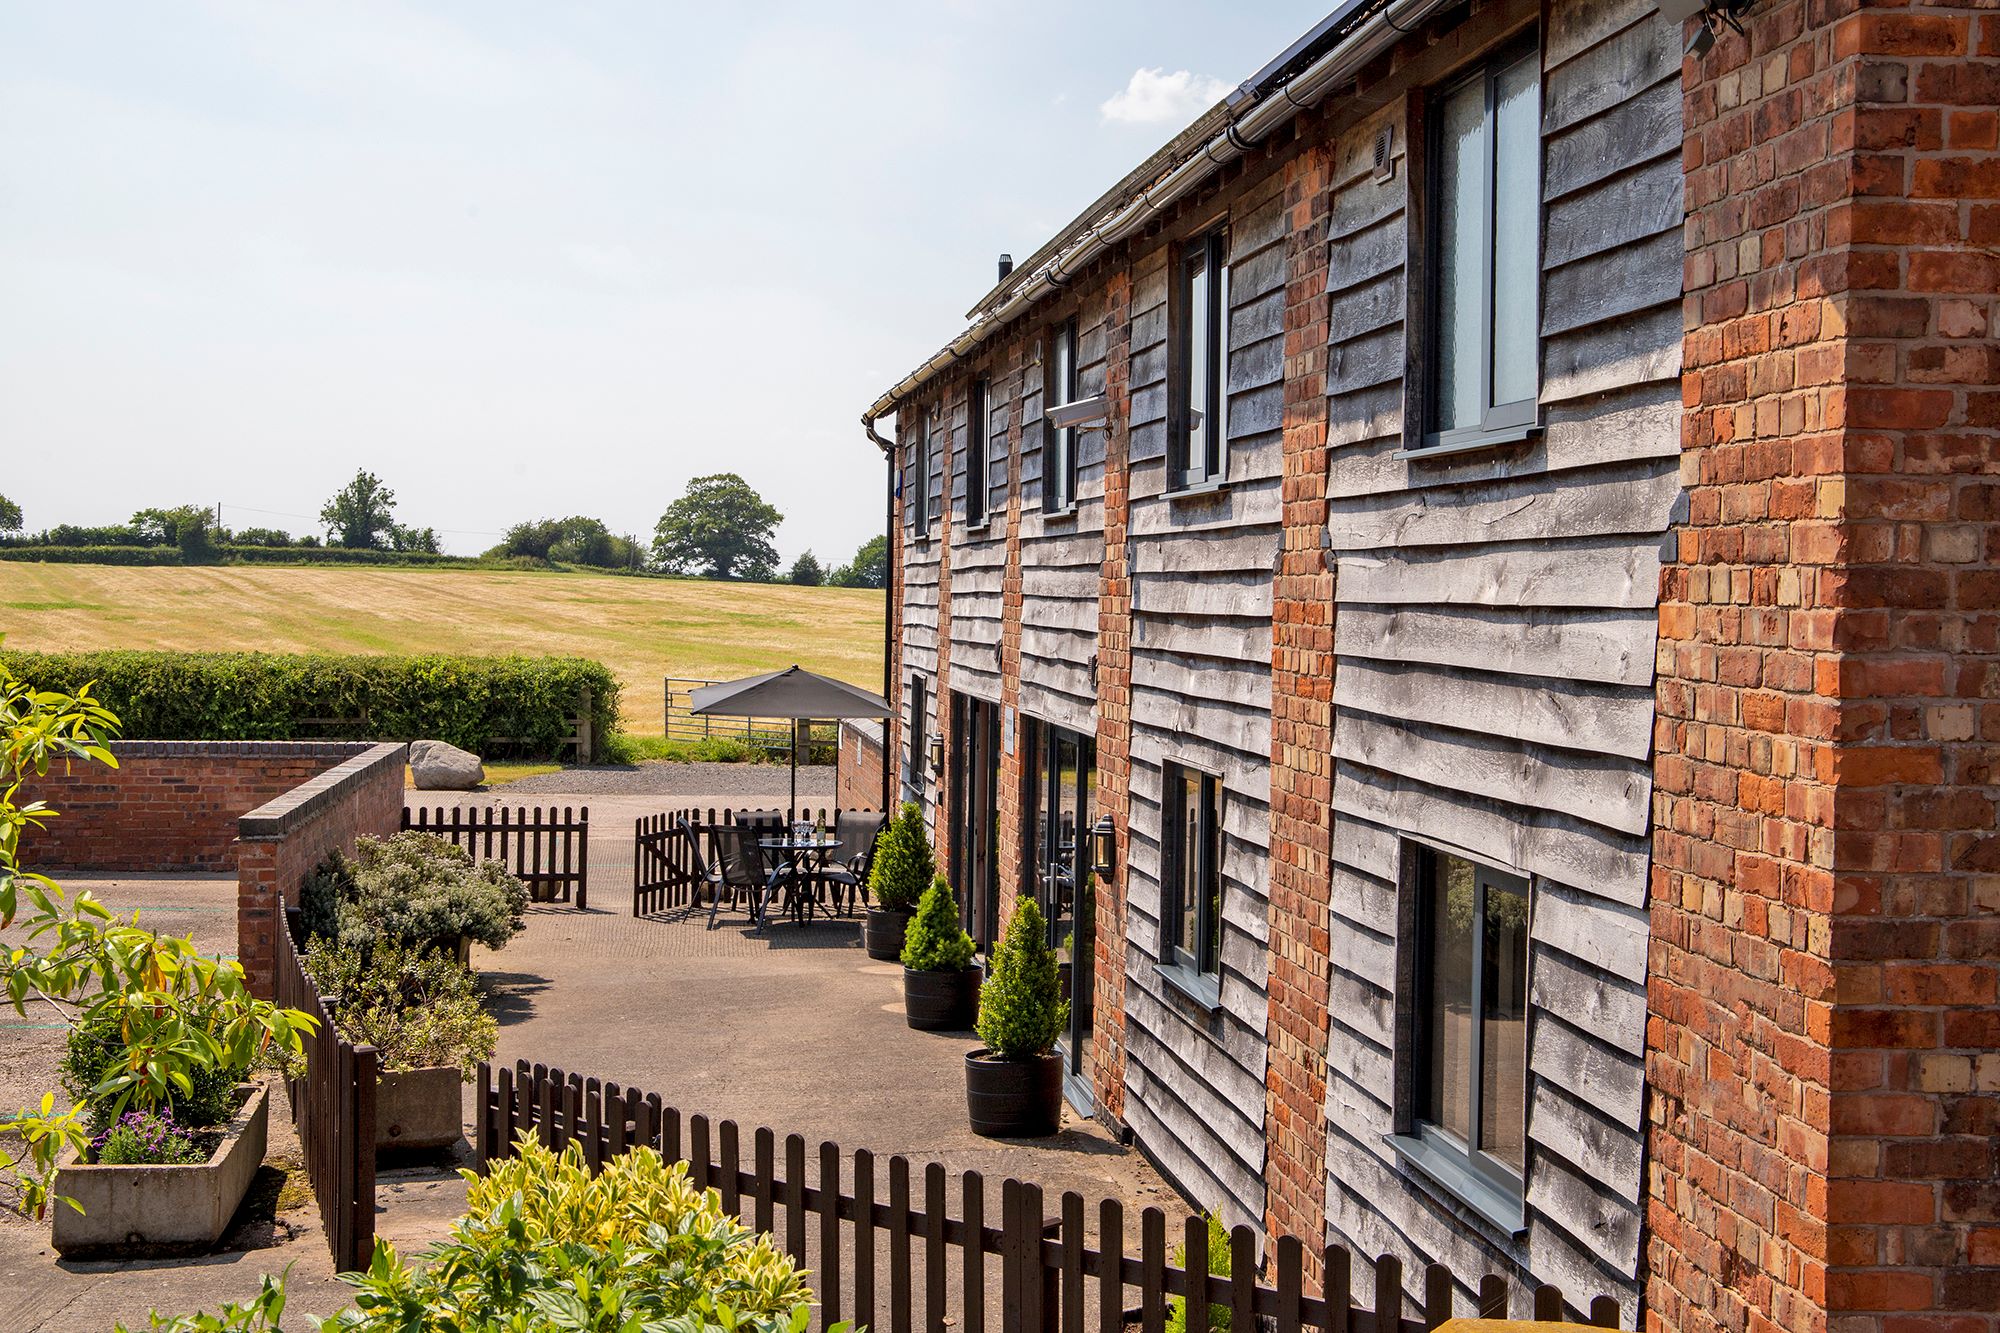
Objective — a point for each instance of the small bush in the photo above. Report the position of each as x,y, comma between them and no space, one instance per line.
1218,1266
419,890
904,866
419,1008
327,885
146,1138
1021,1009
97,1051
935,941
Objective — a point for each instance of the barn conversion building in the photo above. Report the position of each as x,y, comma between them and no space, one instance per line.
1500,517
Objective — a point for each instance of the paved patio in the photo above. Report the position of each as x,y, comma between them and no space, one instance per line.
792,1028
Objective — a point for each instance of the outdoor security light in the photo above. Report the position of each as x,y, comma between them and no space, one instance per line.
1082,412
937,754
1104,847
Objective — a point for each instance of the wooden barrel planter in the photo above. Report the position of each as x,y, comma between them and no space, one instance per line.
941,1001
1013,1099
883,931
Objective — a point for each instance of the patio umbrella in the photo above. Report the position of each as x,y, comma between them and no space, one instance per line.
795,694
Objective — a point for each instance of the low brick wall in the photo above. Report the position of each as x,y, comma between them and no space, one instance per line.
857,774
169,805
281,840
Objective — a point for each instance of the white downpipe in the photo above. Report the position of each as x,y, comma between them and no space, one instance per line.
1306,89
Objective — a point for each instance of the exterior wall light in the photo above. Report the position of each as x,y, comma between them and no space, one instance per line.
937,754
1104,847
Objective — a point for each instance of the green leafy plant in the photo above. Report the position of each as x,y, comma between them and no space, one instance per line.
175,1016
97,1053
468,701
935,941
904,865
546,1244
1021,1009
260,1314
1218,1266
418,1007
325,887
418,889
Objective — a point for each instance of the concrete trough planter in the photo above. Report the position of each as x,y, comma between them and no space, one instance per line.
137,1212
419,1108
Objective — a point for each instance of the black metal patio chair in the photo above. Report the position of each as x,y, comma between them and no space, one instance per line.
747,869
845,873
707,875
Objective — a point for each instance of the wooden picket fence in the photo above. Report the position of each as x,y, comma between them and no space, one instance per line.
333,1108
663,878
550,853
1051,1279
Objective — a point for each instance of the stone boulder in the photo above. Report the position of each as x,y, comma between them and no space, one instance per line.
436,766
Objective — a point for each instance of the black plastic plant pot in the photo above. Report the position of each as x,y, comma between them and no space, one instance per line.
1013,1099
941,1001
883,932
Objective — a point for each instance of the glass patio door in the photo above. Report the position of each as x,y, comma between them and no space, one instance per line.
975,815
1063,780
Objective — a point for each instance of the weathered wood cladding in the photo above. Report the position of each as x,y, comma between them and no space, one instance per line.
1495,635
1495,625
922,570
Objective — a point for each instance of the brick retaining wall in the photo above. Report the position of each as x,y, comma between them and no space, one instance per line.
169,805
285,837
857,773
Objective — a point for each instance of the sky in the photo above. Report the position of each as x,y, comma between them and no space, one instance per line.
529,260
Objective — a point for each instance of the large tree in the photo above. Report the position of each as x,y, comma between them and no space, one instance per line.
361,514
721,529
807,571
10,515
869,568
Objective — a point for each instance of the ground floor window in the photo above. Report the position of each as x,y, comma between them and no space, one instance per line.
1191,894
975,812
1469,1066
917,729
1061,796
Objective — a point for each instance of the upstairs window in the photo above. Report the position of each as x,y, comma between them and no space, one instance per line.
1191,901
1059,388
1485,220
976,479
917,478
1198,425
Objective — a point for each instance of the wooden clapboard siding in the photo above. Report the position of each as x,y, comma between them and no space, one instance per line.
1495,636
1201,695
979,554
922,569
1062,555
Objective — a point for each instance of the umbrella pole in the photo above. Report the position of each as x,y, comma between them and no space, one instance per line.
794,815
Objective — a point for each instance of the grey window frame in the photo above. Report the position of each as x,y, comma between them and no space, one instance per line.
918,726
1465,1172
1501,423
917,479
978,464
1193,972
1060,388
1211,247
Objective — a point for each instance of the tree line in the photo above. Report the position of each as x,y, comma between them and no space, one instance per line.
720,529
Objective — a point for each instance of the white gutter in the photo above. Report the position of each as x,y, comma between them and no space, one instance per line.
1268,112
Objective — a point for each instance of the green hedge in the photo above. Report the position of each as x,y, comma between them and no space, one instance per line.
94,555
469,701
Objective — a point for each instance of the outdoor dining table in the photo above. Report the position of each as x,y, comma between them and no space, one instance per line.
805,857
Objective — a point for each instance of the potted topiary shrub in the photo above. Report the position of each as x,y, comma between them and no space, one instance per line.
903,869
940,984
1013,1084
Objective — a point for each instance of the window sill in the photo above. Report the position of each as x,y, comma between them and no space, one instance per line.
1451,1178
1058,515
1196,987
1207,490
1467,444
978,529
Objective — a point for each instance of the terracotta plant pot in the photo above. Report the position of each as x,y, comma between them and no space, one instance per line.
941,1001
1013,1099
883,932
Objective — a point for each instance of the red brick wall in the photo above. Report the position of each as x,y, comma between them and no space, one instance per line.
857,773
169,805
1114,702
1824,1050
1009,872
1301,737
284,838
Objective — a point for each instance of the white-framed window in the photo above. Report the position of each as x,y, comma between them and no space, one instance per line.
1060,386
1198,369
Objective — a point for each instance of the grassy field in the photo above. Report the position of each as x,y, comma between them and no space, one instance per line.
643,629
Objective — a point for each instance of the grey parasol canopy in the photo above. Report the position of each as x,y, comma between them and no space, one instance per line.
793,693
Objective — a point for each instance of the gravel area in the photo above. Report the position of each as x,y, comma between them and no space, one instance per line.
671,779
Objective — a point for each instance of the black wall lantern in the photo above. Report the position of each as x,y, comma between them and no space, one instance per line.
1104,847
937,754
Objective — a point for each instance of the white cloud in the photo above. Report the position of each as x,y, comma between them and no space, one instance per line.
1155,97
